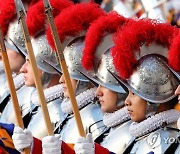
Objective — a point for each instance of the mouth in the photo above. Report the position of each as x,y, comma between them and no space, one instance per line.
130,111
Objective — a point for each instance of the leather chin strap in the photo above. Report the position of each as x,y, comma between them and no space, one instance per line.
121,99
81,87
46,79
151,109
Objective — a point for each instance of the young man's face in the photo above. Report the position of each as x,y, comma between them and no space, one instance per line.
136,107
26,69
107,99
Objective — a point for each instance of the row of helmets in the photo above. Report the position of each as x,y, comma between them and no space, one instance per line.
110,40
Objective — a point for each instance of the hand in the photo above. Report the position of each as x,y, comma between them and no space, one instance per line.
22,138
85,145
52,144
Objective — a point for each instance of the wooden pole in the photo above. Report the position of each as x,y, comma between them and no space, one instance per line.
12,89
38,84
65,72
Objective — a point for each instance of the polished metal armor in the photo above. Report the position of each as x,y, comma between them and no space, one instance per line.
37,125
153,80
91,118
104,77
118,138
44,54
15,37
24,97
73,55
157,141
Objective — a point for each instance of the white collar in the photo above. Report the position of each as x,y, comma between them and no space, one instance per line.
154,122
50,94
82,99
178,123
18,81
116,118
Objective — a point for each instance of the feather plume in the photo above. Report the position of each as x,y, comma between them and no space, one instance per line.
36,18
75,19
133,36
105,24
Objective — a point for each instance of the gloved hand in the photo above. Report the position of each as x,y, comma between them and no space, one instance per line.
85,145
22,138
52,144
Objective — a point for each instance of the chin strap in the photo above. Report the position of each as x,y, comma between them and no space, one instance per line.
46,79
81,87
151,109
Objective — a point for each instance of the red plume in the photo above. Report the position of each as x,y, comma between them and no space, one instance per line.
36,17
75,19
104,24
7,14
133,36
174,54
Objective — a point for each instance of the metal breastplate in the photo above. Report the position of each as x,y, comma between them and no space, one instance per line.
157,141
92,119
4,91
118,138
24,98
37,125
177,150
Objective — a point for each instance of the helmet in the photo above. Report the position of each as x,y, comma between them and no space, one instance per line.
44,53
153,80
145,69
73,55
36,21
72,33
96,54
15,38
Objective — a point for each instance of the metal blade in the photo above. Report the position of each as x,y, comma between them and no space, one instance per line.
47,4
19,8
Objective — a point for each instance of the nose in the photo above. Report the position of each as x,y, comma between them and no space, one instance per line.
61,80
23,68
99,91
128,101
177,92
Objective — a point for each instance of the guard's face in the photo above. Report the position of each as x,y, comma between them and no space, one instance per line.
15,60
107,98
26,69
136,107
63,82
177,92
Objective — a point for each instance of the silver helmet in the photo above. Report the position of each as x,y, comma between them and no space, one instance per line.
73,55
103,75
153,80
15,38
104,67
45,57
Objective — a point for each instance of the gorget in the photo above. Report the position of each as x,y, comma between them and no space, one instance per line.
154,122
50,94
83,99
116,118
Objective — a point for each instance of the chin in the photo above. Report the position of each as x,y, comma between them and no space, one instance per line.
66,95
